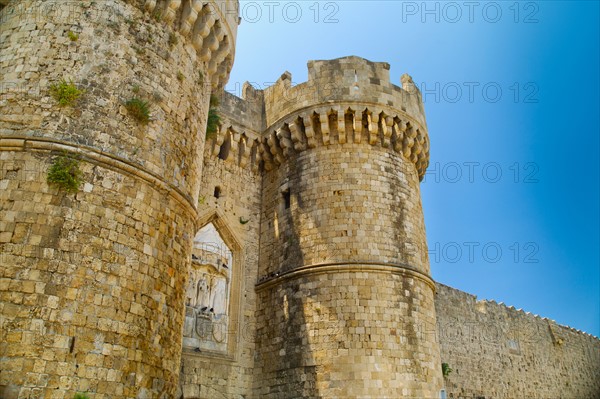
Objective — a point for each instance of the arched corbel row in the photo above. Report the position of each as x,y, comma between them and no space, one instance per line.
284,136
265,155
324,126
198,21
191,9
255,159
339,125
300,140
202,27
242,155
235,145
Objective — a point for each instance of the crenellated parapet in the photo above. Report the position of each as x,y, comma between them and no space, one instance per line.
238,139
346,100
209,25
344,80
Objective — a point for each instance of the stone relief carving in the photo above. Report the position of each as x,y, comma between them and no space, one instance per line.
207,293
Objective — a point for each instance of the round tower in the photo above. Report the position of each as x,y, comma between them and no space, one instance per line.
345,294
115,95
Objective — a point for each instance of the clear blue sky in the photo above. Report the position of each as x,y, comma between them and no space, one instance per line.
512,100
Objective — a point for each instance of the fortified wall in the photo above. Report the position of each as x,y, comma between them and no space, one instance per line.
496,351
282,256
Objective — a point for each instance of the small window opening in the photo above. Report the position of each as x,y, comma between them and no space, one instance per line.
287,199
217,192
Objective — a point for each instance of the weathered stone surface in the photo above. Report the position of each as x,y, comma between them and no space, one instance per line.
500,352
91,297
312,189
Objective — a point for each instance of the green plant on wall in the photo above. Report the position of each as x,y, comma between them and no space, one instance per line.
213,120
81,395
65,173
173,39
73,36
138,109
446,370
65,93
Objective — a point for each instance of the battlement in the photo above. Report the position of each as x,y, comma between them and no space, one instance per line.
345,100
247,111
343,80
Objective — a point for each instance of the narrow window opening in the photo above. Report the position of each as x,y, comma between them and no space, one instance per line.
287,199
217,193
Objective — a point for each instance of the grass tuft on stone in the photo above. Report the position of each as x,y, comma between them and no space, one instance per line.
65,93
65,173
139,110
446,370
213,120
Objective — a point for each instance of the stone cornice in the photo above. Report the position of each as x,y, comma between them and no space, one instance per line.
351,267
107,160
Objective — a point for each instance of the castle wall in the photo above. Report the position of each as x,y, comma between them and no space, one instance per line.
313,188
91,284
229,374
500,352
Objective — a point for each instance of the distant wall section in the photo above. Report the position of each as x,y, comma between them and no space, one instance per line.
500,352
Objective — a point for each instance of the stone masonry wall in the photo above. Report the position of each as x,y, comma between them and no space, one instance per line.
230,375
500,352
344,310
314,187
91,284
347,203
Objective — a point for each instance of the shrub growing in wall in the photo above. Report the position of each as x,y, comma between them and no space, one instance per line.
213,120
446,370
65,174
139,110
65,93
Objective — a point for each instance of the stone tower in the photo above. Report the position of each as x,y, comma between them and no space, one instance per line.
91,284
345,297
